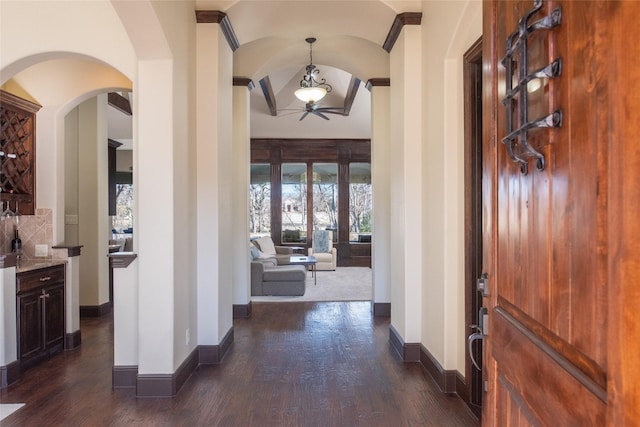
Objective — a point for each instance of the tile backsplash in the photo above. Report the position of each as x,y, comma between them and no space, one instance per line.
33,230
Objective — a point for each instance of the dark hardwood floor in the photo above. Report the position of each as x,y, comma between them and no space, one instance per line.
292,364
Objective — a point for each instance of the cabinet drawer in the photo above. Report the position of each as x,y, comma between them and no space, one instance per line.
30,280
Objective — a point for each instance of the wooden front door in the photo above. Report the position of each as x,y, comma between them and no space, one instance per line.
562,244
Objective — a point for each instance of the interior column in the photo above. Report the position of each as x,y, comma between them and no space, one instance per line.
380,141
241,160
214,189
406,192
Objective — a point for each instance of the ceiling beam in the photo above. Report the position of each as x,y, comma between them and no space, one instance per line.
120,103
354,85
269,96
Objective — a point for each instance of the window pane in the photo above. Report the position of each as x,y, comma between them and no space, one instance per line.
260,200
294,202
360,202
122,222
325,197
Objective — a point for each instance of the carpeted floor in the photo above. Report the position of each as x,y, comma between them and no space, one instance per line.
344,284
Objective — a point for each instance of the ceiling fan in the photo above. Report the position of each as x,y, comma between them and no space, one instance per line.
314,108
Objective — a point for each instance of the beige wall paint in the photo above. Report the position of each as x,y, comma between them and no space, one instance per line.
406,185
240,185
92,200
456,25
214,185
124,160
380,171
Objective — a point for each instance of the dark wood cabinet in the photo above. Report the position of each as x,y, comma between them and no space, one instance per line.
18,148
40,312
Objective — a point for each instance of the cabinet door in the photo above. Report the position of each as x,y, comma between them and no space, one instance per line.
30,334
54,315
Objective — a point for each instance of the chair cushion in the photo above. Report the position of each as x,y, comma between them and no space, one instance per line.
266,245
323,257
284,273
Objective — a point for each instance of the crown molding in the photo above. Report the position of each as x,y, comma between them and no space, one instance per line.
377,81
407,18
221,18
243,81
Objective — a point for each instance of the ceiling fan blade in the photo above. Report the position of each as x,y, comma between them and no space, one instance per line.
332,112
329,109
317,113
304,115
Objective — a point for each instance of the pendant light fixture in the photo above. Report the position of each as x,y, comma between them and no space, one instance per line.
312,90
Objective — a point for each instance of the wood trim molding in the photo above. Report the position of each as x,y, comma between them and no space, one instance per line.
121,259
9,374
166,385
120,103
72,250
406,18
377,81
72,340
446,379
113,144
124,376
242,311
95,310
269,96
221,18
409,352
19,102
213,354
155,385
244,81
382,309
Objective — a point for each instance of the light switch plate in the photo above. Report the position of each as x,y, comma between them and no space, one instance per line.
71,219
41,250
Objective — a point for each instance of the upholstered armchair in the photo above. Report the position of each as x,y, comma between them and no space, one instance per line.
322,249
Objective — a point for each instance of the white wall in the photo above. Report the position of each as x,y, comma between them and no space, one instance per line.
215,169
456,26
407,194
93,196
380,182
240,225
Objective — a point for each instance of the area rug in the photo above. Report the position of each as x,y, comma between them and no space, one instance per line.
7,409
344,284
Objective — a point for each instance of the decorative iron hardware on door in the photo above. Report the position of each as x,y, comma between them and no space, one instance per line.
516,98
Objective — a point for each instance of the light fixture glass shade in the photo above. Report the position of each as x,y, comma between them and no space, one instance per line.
310,94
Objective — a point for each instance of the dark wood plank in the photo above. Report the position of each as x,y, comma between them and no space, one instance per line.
302,364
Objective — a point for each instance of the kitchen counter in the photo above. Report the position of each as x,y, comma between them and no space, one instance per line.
36,264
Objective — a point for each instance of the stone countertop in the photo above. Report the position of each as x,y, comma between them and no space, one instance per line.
37,264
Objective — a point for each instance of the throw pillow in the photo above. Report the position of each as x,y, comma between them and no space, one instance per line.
266,245
262,255
255,253
321,241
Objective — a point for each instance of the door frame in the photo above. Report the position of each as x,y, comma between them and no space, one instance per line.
472,78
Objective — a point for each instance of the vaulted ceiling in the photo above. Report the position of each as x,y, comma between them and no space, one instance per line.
350,37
